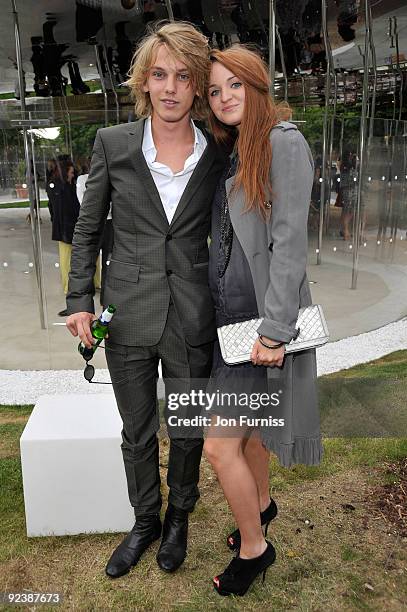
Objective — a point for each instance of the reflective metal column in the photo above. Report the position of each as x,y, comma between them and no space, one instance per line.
30,173
272,44
325,145
169,10
362,145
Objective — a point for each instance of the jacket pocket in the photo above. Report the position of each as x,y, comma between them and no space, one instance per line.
201,264
124,271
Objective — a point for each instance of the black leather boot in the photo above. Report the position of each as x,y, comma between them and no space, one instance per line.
241,573
146,529
173,548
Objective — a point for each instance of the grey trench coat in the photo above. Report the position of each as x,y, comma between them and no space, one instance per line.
276,251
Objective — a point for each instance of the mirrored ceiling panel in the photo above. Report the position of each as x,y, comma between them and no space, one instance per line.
84,46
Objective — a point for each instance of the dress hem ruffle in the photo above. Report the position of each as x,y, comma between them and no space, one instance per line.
307,451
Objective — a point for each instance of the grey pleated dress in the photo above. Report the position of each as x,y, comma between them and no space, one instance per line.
234,298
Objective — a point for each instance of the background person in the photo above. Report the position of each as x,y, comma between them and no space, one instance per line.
348,192
64,210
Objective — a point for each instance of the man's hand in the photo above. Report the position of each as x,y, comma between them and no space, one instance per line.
79,325
267,357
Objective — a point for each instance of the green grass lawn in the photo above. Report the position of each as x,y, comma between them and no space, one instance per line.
347,557
26,204
367,400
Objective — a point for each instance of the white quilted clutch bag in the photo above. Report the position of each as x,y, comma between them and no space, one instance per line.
236,340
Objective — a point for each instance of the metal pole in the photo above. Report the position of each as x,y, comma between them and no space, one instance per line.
331,142
374,67
68,126
112,84
35,229
169,10
19,58
404,178
394,124
373,103
341,138
391,36
331,132
40,276
304,97
298,71
272,44
365,97
283,68
325,129
102,84
396,33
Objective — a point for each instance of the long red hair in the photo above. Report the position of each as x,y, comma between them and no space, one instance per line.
260,115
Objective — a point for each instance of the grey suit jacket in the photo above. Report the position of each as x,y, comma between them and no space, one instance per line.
280,280
152,260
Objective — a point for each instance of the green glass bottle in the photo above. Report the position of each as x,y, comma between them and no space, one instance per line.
98,328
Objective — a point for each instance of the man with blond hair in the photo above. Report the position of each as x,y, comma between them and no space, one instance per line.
160,174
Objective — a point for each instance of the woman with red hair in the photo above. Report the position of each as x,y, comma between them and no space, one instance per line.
257,269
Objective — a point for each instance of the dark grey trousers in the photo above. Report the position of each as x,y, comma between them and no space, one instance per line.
134,374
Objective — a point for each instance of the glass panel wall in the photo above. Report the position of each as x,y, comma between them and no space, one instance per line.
353,242
61,154
380,268
361,283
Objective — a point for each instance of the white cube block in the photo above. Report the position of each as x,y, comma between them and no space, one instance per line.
73,473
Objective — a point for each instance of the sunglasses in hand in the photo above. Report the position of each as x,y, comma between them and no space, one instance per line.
89,372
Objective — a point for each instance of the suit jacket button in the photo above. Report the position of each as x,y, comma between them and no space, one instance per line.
169,272
168,237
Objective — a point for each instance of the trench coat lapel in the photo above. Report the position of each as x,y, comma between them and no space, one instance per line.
251,231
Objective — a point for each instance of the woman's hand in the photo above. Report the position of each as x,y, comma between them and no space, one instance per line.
265,356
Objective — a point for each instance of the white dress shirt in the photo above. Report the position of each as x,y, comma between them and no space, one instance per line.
81,188
171,186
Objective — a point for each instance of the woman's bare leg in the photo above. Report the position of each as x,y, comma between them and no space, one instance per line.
258,458
235,476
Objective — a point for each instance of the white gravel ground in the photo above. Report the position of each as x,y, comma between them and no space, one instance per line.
26,386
